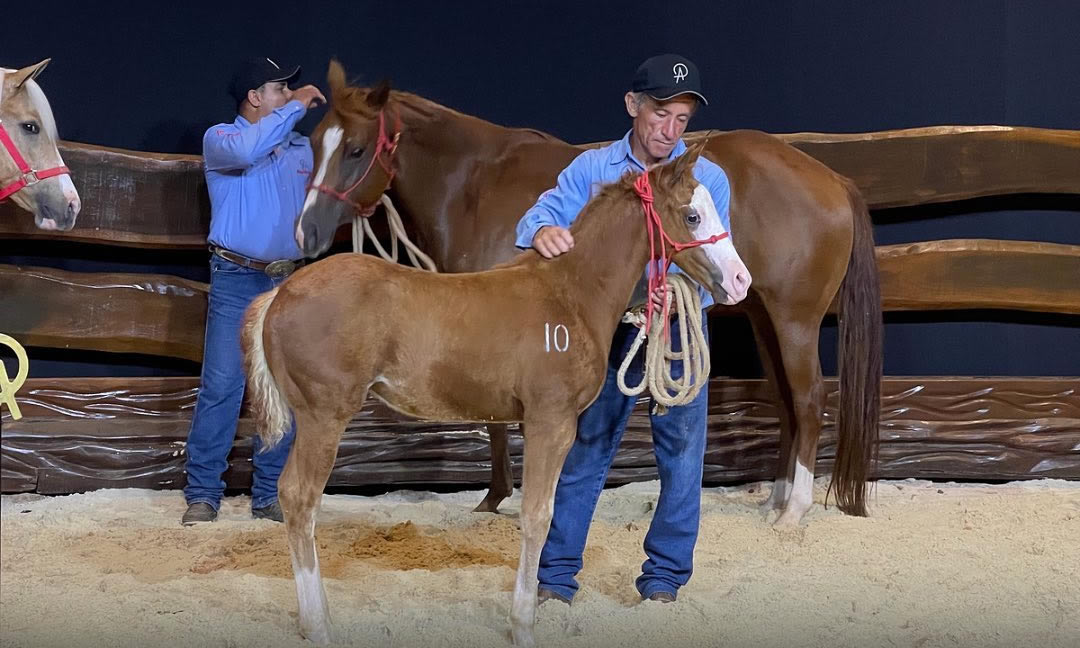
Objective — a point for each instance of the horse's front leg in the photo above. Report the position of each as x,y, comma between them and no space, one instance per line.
547,440
300,490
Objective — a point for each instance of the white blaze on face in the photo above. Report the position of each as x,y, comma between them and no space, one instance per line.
722,253
331,140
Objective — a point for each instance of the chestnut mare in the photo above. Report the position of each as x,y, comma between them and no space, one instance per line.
804,232
32,173
468,347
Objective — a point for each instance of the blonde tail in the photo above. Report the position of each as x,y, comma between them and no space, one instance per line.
271,409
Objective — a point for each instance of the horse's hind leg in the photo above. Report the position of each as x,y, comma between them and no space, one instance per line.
769,350
300,490
547,441
502,478
798,342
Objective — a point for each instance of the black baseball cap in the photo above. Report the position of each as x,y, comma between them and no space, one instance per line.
668,75
252,73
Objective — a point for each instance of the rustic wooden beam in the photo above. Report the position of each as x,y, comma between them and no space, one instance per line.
980,273
142,313
86,433
919,166
130,198
166,316
159,200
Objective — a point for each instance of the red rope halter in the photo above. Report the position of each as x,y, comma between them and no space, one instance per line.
383,144
658,278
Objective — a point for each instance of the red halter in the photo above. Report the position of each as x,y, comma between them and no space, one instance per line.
27,176
383,144
658,279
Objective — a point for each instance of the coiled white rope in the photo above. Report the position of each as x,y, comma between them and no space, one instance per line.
665,390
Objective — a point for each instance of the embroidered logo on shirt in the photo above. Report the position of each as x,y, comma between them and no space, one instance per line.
680,72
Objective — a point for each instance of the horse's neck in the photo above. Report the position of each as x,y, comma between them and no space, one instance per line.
437,152
598,275
438,185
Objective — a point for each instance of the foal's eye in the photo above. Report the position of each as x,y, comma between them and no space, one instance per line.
692,217
31,127
356,152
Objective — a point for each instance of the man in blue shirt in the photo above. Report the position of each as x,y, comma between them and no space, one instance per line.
664,94
256,169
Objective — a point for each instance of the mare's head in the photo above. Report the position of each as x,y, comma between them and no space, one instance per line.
32,173
695,238
353,147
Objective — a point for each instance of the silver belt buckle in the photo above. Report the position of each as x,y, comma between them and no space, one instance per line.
280,268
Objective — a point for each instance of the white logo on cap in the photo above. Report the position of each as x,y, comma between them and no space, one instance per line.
271,61
680,72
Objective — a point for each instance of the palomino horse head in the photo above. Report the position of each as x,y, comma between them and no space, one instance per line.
354,148
693,235
32,173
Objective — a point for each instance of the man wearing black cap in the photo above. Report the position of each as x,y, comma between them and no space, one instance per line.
665,93
256,172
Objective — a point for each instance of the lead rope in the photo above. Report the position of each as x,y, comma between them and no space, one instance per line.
362,226
659,356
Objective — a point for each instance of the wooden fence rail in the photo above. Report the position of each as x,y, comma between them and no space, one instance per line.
85,433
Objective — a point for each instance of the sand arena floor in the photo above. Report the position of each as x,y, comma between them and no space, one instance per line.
936,565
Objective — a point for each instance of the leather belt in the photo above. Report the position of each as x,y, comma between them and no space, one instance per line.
273,269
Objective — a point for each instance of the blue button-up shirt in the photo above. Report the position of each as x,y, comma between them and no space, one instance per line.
256,175
584,177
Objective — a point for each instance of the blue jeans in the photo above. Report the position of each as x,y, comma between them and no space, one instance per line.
679,444
221,391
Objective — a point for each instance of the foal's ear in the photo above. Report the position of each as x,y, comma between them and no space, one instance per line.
29,72
684,164
335,78
379,95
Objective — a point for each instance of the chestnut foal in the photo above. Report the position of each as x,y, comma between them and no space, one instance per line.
425,344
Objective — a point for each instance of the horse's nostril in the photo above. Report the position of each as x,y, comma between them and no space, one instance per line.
311,237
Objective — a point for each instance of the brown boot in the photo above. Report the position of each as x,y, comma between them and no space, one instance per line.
544,594
271,512
661,596
198,512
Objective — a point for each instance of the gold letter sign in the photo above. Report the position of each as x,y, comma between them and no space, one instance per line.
8,387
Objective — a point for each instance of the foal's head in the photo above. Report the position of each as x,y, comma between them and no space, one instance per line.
696,239
354,148
32,172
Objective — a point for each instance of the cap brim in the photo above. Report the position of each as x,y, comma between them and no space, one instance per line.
291,78
660,96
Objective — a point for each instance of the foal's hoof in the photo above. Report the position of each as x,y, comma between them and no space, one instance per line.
523,638
320,636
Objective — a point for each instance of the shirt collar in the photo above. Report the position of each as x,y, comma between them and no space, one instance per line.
621,152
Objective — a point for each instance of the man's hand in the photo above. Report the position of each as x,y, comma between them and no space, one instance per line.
551,241
309,95
657,298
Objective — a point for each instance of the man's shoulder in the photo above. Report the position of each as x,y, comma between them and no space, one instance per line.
223,129
706,170
588,163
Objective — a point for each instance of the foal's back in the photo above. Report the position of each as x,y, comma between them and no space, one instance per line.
468,346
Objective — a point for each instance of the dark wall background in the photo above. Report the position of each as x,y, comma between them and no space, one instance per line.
151,76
